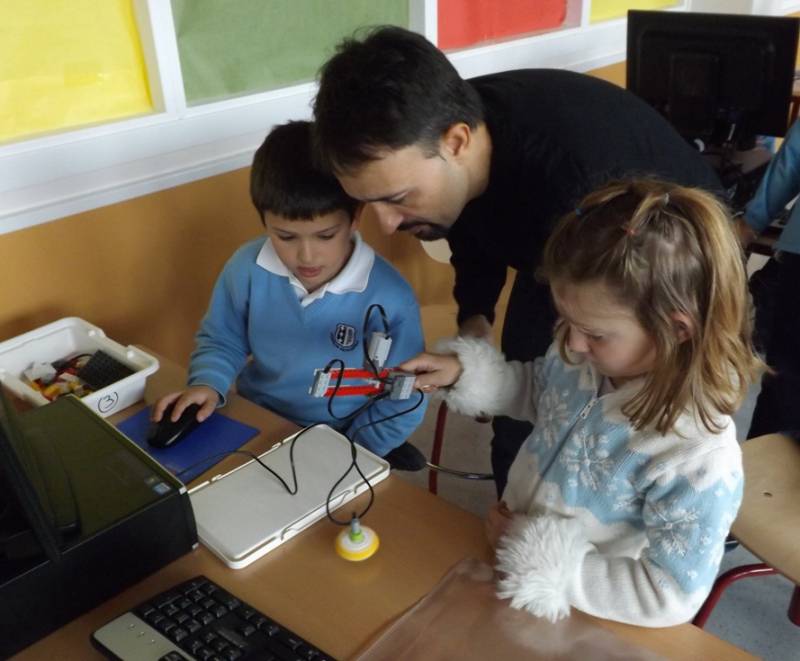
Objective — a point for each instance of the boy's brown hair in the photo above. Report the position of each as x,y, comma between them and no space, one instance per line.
661,248
286,180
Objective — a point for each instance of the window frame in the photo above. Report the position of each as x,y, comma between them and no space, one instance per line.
48,177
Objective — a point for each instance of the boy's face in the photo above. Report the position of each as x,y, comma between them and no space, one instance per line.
411,191
313,250
603,331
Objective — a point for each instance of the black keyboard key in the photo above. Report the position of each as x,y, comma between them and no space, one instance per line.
306,652
232,637
227,600
173,656
165,599
205,618
194,646
248,630
145,611
245,613
154,617
193,626
289,640
166,625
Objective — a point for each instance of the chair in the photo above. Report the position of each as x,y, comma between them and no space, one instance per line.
436,455
768,524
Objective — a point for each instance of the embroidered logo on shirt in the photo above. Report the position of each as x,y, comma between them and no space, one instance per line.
344,337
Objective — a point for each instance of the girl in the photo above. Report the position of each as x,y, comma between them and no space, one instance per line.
620,500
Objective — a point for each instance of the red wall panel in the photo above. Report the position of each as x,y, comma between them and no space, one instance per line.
467,22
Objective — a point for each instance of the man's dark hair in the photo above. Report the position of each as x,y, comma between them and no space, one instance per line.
390,90
285,180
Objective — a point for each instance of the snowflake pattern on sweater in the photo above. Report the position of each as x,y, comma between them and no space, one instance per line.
654,509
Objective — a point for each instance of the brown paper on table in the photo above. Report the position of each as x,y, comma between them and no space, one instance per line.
462,618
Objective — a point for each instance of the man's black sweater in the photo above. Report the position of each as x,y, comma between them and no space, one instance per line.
556,135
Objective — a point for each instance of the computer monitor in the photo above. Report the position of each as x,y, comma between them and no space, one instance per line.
719,78
37,507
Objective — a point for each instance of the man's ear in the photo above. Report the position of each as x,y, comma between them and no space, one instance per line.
356,221
683,325
456,140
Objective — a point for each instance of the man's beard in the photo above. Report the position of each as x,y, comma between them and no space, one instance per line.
427,232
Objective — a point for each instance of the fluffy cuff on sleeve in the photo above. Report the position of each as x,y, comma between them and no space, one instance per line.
480,388
537,559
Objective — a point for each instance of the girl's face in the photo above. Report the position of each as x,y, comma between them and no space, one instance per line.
313,250
603,331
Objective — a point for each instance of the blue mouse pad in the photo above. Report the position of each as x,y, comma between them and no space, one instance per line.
196,453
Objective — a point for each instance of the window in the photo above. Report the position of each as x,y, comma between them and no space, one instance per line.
176,90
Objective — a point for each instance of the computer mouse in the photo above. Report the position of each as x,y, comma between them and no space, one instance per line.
165,433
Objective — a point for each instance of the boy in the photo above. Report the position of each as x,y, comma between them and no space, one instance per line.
286,306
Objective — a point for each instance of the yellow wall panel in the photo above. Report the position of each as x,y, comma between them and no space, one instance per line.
67,63
603,10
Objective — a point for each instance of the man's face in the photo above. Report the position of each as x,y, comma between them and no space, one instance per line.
411,191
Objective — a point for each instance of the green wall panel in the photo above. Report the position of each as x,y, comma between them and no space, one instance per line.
233,47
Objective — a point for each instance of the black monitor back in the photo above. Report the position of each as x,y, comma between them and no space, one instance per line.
722,78
102,515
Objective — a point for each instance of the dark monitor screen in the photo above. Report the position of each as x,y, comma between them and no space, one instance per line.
721,78
36,505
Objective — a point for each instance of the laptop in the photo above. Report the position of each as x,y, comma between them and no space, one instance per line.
244,514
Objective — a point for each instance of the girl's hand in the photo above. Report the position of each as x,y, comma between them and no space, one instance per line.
497,522
433,370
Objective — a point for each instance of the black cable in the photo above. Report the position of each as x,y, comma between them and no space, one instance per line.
257,458
354,463
364,341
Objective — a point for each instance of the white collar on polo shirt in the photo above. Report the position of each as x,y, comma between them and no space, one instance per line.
354,277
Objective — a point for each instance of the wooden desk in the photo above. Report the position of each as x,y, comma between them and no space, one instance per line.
337,605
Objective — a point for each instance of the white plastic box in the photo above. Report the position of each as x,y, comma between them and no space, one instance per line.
64,338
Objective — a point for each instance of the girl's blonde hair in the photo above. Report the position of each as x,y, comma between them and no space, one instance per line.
662,248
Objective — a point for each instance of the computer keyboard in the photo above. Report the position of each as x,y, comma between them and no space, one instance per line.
199,620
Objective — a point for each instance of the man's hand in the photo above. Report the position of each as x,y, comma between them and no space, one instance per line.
476,326
745,233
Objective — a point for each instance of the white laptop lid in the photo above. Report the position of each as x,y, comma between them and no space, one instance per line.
243,514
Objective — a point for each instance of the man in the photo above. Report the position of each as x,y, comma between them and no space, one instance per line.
775,291
490,164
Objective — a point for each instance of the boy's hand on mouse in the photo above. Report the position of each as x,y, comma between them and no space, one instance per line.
205,397
497,521
433,370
